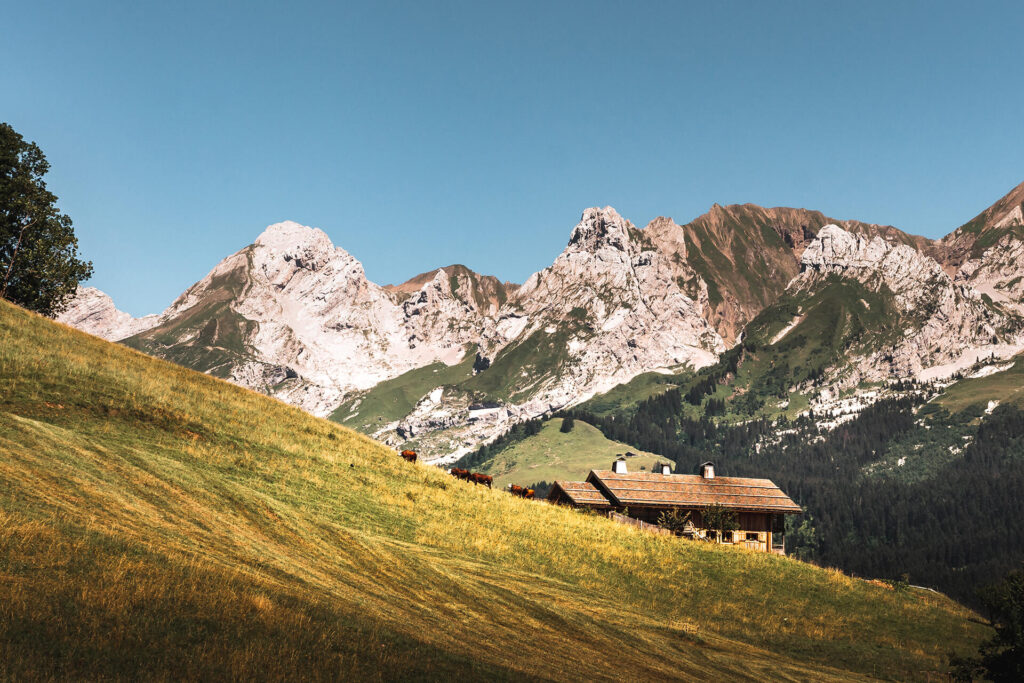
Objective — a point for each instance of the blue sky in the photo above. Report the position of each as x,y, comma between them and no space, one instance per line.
420,134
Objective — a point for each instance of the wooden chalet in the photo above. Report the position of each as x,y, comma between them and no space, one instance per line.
760,505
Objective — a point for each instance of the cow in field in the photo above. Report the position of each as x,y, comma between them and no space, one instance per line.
484,479
409,455
475,477
521,492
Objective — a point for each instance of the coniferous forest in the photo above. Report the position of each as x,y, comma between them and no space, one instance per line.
951,520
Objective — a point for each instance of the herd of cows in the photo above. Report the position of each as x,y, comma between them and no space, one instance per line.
477,478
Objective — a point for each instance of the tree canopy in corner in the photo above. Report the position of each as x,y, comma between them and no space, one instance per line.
39,264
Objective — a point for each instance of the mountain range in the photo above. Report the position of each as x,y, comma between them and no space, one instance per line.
451,358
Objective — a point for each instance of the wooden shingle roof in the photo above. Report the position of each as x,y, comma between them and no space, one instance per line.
579,493
690,491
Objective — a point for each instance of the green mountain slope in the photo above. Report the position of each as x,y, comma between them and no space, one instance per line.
552,454
1004,386
393,399
159,523
210,336
793,342
624,397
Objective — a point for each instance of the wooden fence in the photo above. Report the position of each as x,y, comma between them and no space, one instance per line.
645,526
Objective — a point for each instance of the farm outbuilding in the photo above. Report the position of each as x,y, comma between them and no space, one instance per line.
759,505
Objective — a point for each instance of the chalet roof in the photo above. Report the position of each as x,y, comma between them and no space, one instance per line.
689,491
580,493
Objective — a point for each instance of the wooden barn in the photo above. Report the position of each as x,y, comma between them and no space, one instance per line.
760,506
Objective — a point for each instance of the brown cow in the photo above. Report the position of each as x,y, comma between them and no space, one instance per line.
409,455
478,478
520,491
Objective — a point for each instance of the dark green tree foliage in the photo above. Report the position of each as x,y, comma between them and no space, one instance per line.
955,530
675,520
710,378
39,264
1002,657
714,406
567,424
718,520
541,489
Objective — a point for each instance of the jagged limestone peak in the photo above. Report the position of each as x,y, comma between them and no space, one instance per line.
599,228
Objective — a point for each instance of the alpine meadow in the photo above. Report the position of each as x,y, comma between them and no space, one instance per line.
541,341
158,522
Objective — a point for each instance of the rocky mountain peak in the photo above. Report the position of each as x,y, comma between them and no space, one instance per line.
600,228
94,312
912,276
289,234
970,240
837,249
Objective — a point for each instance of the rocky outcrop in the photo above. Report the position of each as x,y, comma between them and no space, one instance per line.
1004,218
483,292
987,253
94,312
745,255
943,321
998,273
294,316
618,302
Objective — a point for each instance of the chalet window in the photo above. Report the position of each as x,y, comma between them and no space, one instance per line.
727,537
752,536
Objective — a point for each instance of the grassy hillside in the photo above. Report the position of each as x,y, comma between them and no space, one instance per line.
551,454
159,523
395,398
1006,386
624,397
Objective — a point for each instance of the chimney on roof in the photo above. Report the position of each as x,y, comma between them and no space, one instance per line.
663,468
619,466
707,470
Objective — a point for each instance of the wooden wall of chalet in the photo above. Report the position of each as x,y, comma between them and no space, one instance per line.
755,530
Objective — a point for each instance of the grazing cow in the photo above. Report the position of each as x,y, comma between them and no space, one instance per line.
478,478
474,477
409,455
520,491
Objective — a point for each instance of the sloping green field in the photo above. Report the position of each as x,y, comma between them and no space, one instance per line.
551,454
395,398
1006,386
156,523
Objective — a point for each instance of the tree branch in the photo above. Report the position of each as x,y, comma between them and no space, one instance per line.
14,255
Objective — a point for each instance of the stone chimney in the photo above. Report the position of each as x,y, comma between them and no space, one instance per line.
663,468
707,470
619,466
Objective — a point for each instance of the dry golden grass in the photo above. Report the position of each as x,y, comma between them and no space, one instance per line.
158,523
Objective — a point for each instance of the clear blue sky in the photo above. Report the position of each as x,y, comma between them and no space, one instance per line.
419,134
